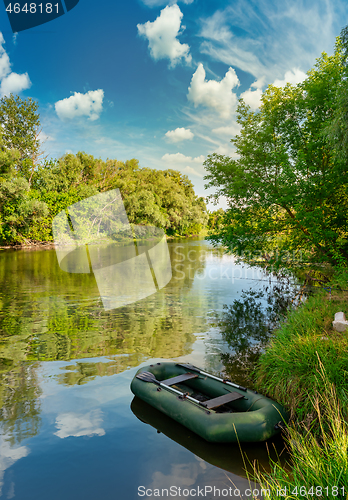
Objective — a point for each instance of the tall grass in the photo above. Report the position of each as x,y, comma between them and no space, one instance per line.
319,462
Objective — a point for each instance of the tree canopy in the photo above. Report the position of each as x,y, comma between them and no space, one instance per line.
20,122
162,198
17,210
287,186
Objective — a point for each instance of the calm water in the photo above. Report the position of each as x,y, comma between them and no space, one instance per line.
70,428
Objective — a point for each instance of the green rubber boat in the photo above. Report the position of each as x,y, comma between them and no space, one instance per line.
216,409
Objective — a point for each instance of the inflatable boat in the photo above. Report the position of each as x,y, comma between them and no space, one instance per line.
216,409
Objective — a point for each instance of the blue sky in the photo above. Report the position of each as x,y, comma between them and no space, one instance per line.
159,81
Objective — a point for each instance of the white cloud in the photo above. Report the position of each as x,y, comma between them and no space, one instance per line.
72,424
227,149
221,44
199,159
192,171
162,36
259,83
14,83
89,104
5,67
229,131
176,160
213,28
252,98
272,36
179,134
10,82
213,94
212,132
294,76
180,158
275,42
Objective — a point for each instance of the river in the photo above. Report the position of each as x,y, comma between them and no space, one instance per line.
70,428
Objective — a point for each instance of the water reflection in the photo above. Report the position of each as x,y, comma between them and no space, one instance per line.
91,446
248,323
56,315
19,402
76,425
226,456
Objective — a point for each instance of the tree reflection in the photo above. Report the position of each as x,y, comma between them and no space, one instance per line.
248,323
19,400
56,315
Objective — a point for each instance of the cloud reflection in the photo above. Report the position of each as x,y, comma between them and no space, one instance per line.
76,425
8,456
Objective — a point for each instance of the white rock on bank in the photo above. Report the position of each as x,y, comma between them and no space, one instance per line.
340,323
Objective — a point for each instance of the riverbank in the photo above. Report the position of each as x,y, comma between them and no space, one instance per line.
32,244
29,245
305,369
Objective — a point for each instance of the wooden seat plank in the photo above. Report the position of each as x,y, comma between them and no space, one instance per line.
179,378
222,400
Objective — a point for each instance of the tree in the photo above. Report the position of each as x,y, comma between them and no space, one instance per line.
17,209
20,123
337,129
287,190
161,198
216,218
8,160
344,41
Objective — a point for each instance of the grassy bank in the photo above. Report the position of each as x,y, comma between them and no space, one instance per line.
288,370
319,463
305,367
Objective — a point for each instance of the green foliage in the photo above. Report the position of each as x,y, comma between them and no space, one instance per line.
336,129
17,210
20,124
216,218
287,188
8,159
164,199
41,229
68,172
19,147
32,194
